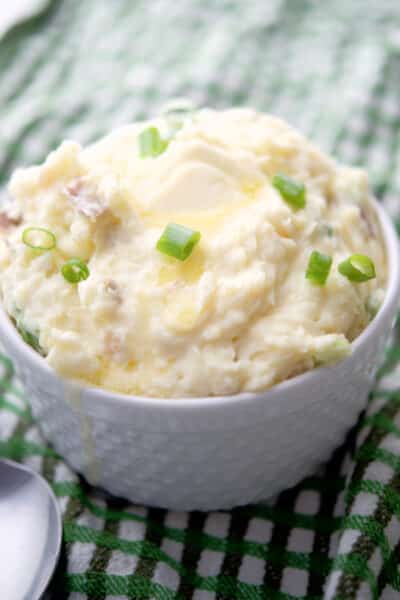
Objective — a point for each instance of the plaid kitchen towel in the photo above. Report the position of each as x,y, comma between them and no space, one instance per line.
333,70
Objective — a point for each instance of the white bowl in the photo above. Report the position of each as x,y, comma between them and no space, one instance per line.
207,453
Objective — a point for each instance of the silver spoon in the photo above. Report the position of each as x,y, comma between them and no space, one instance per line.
31,531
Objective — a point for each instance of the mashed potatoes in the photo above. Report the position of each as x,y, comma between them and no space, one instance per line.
238,314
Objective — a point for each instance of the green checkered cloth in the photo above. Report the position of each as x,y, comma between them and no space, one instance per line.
333,70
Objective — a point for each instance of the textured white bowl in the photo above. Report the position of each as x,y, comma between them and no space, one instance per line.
207,453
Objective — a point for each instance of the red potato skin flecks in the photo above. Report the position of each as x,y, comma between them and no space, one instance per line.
367,223
7,221
84,198
113,290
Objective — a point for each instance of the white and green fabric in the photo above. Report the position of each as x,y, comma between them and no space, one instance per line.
78,69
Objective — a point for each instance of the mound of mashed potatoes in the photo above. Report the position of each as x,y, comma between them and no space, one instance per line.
239,314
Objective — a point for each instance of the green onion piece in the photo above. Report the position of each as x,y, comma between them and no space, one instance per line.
175,114
29,338
334,348
151,143
173,128
75,270
39,238
178,241
179,106
325,229
373,304
293,192
357,268
318,268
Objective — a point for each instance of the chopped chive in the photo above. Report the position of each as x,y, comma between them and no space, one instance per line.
318,268
29,338
151,143
292,191
175,114
335,348
178,241
39,238
75,270
179,106
357,268
372,305
326,229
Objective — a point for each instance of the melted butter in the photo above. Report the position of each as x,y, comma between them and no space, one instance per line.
182,315
206,221
182,312
251,189
185,319
188,271
73,395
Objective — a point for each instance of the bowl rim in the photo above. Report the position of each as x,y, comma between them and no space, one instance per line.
388,306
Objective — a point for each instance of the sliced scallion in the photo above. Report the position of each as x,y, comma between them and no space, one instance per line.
175,114
325,229
357,268
178,241
75,270
151,143
318,268
39,238
178,106
373,304
29,338
292,191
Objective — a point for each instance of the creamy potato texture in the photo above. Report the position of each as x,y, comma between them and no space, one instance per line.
238,314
